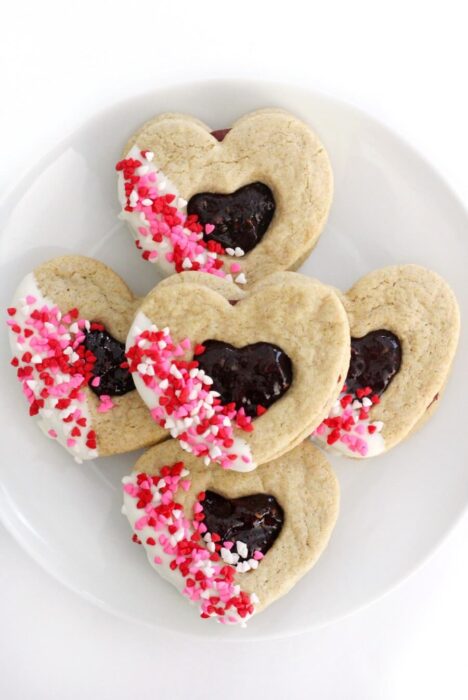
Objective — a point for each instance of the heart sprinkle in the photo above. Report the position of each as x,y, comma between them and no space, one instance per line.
176,542
53,367
158,216
182,401
105,403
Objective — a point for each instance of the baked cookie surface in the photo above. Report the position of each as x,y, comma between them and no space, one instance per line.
241,203
405,325
231,543
239,382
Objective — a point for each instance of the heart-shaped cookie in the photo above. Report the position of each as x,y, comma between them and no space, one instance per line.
231,543
239,382
404,325
241,202
67,323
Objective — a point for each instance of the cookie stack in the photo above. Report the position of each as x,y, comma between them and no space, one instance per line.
235,371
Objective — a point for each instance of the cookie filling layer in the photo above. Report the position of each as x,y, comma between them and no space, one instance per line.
111,375
175,547
181,397
252,377
241,530
240,219
53,367
163,231
220,134
375,360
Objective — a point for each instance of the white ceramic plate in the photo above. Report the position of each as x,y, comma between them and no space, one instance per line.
389,207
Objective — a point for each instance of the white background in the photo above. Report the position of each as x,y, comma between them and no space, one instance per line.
406,63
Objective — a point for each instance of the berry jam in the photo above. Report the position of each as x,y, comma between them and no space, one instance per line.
219,134
116,380
255,520
240,218
375,360
252,376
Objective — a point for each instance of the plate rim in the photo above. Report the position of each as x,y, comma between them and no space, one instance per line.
14,192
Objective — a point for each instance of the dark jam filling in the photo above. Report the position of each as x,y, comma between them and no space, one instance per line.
219,134
240,218
110,366
254,376
255,520
375,360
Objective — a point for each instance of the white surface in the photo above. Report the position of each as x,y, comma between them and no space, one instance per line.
408,68
389,207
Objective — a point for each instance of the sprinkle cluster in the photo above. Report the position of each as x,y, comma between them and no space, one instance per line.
174,541
183,402
162,227
349,423
238,558
53,367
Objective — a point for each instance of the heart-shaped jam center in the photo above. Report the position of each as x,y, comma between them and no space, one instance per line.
240,218
252,377
110,366
375,360
255,520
